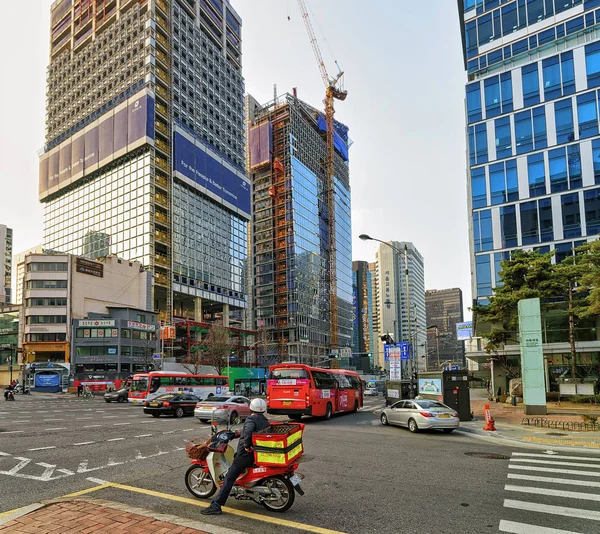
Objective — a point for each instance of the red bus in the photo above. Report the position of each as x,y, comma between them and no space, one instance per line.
295,390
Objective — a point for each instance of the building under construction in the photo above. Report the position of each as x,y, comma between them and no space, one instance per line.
291,231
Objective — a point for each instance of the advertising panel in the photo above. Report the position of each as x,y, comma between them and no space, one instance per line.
53,163
91,147
106,138
464,330
64,164
120,130
430,386
77,155
136,119
43,176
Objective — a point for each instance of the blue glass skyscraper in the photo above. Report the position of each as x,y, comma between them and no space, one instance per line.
533,69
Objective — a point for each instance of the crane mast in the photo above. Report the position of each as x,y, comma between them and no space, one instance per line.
333,90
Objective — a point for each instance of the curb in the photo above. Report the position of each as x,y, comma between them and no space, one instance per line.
11,515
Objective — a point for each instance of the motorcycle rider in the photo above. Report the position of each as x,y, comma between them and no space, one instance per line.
244,457
8,392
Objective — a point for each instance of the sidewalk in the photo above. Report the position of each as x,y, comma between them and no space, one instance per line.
96,516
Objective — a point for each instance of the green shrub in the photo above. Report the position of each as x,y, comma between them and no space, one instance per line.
590,419
585,399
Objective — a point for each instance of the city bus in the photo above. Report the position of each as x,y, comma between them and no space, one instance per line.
147,386
296,390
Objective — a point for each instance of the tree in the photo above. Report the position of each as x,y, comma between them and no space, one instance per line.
214,349
589,255
267,351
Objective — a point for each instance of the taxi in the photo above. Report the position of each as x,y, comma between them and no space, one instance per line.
175,404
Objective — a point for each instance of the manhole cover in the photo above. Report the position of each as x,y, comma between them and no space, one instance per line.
488,455
555,434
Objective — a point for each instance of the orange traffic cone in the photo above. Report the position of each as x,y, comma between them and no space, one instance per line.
489,420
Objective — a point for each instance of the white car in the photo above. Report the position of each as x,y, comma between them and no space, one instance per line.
371,391
235,406
420,414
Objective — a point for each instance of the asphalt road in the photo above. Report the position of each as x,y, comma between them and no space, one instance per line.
363,477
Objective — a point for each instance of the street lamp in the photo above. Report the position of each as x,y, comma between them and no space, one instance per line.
365,237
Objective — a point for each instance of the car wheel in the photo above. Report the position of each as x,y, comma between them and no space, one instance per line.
412,426
203,420
328,412
384,420
179,412
106,400
121,399
448,430
155,415
232,418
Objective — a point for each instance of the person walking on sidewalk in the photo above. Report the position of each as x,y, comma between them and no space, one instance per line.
79,389
244,457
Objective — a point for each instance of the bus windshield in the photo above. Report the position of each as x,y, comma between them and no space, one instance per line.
140,384
277,374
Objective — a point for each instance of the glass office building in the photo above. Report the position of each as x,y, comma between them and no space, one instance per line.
533,69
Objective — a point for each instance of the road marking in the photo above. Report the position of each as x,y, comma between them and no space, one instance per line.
42,448
88,490
169,432
91,426
115,439
19,512
82,418
56,428
142,436
84,443
558,456
14,432
234,511
53,420
118,424
523,528
110,416
553,493
550,480
543,462
24,421
189,429
550,470
551,509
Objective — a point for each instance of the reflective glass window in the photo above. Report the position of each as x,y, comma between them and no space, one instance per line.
503,138
596,160
483,273
557,162
574,165
474,102
539,128
478,188
567,73
546,222
509,18
571,215
563,114
592,211
531,84
587,115
506,92
492,96
508,226
551,74
523,132
529,223
536,175
592,64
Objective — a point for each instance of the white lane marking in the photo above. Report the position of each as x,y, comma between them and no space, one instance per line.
169,432
24,421
551,509
110,416
115,439
42,448
522,528
550,470
97,480
543,462
81,418
142,436
118,424
14,432
84,443
558,456
91,426
550,480
189,429
51,420
553,493
56,428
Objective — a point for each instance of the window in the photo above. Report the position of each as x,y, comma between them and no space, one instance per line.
45,267
567,71
591,202
536,175
570,215
498,95
508,225
509,18
482,231
47,284
539,128
523,132
503,138
478,144
126,333
506,92
546,223
587,115
474,102
47,319
563,113
551,74
535,11
504,186
484,275
592,64
478,188
485,30
557,160
596,160
529,223
499,257
574,165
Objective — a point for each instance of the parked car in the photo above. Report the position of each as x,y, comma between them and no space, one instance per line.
371,391
120,395
421,415
175,404
235,406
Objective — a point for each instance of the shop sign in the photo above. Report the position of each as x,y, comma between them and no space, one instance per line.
99,322
92,268
141,326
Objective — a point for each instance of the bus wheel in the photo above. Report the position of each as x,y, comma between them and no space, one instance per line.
355,407
296,417
328,412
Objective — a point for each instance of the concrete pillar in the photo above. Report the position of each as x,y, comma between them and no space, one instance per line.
198,309
225,314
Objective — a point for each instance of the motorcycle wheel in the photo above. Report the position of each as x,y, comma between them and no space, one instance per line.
199,487
287,494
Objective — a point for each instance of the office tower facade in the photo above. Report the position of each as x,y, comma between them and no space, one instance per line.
6,247
393,301
362,304
145,147
291,236
374,342
533,73
444,309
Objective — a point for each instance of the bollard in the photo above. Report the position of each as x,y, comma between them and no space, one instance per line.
489,421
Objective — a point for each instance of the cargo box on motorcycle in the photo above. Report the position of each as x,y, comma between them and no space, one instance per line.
279,444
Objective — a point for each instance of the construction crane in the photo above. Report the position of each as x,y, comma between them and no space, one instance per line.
333,91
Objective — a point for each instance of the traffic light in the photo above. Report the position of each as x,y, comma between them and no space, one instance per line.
334,356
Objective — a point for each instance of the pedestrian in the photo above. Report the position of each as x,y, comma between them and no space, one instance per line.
79,389
244,457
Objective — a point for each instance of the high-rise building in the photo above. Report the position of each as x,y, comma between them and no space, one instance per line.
291,235
362,301
444,309
374,342
533,73
145,147
393,301
6,243
19,270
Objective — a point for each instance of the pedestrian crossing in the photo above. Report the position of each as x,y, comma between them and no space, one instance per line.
552,493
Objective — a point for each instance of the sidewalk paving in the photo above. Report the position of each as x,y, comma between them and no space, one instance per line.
97,516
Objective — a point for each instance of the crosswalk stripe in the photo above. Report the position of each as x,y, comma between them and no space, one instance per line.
551,509
559,456
544,462
523,528
553,492
551,470
550,480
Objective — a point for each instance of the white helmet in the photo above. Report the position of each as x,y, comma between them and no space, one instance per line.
258,405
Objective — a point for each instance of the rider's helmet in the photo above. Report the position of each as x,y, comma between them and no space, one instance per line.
258,406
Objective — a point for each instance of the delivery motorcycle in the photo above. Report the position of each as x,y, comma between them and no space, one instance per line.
273,487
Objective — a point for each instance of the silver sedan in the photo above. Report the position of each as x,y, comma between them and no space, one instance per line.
215,407
421,415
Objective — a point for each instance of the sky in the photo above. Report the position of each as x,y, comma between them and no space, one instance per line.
405,110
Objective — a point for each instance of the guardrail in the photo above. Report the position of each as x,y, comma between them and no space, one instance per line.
543,422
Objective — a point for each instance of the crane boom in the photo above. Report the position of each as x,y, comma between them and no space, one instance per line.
333,90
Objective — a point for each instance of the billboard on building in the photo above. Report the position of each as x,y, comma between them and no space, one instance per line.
464,331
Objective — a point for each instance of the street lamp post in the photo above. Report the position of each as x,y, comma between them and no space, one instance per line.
365,237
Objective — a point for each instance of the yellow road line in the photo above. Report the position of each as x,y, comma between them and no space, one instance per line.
30,507
233,511
88,490
588,444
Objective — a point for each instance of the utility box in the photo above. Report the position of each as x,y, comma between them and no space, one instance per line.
396,390
455,385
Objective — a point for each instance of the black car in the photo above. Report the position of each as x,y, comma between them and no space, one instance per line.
118,396
176,404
